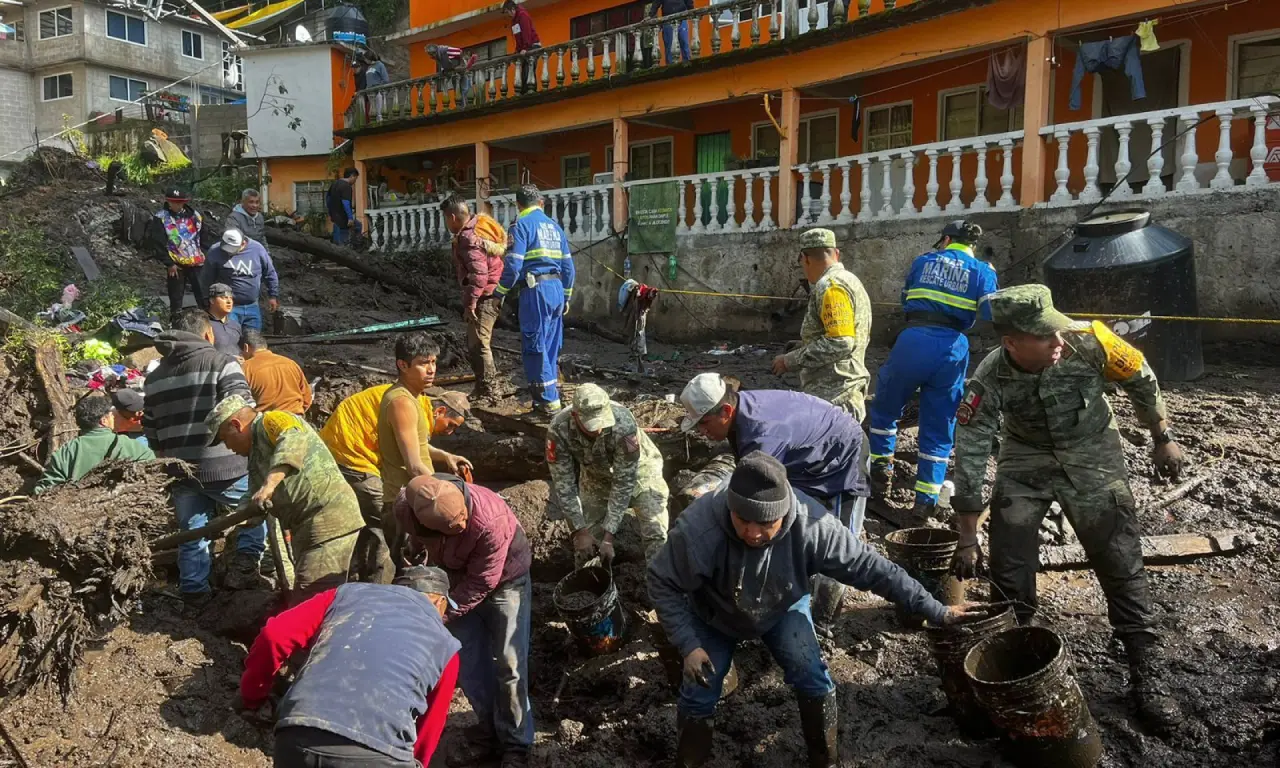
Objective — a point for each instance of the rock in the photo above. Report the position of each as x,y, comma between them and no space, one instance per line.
570,731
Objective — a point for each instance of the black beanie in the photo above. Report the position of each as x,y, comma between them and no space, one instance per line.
758,490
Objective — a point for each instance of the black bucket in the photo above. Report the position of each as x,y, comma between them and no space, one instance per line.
599,624
926,554
950,647
1022,678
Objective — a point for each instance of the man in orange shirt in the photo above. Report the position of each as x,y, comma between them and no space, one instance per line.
278,383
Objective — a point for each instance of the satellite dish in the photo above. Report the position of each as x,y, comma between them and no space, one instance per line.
301,35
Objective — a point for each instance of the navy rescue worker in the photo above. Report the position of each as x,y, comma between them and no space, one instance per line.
819,445
179,239
1060,442
930,356
98,442
737,566
339,201
539,258
378,680
831,357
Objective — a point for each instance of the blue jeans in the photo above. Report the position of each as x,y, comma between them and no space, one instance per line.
668,32
248,315
493,669
793,645
852,510
194,506
342,235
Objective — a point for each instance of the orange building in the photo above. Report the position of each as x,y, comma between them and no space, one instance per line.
831,112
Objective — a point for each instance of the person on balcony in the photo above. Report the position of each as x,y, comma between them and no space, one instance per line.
539,257
449,61
339,201
526,38
375,74
479,243
931,356
669,8
831,355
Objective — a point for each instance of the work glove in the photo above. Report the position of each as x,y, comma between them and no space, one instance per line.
698,668
1169,460
967,560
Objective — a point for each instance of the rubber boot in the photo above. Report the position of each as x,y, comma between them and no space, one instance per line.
1151,701
693,740
828,600
819,722
881,478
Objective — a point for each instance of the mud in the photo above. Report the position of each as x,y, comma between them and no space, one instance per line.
578,600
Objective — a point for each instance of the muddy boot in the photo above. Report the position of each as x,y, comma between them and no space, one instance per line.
693,740
243,573
819,723
923,511
478,747
1151,700
828,600
881,478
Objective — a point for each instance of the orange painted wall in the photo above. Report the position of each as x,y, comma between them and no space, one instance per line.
284,171
344,84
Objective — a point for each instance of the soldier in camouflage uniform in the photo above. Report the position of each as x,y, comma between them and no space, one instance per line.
1060,442
294,478
603,464
831,358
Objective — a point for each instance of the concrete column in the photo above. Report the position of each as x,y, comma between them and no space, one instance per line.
787,153
361,193
621,164
1035,116
482,178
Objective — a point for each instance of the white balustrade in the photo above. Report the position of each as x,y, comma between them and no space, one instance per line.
407,227
715,201
584,213
1228,167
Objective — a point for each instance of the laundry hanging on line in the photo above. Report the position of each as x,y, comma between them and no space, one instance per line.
1006,78
1119,53
1146,33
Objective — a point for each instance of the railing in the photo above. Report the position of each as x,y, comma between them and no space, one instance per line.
716,202
620,52
909,182
584,213
1180,168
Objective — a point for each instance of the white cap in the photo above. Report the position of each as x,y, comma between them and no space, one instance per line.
234,240
703,393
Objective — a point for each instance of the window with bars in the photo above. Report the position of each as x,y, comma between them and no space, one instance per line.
966,113
192,44
126,88
649,160
55,22
232,68
503,176
1257,68
493,49
309,197
575,171
888,128
817,139
57,87
605,20
130,29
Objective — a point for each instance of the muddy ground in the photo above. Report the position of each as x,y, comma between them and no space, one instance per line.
157,690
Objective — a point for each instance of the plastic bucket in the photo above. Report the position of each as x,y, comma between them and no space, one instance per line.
926,554
950,646
1022,678
599,624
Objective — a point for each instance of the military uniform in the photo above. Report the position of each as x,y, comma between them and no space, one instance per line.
314,502
831,358
1059,442
595,480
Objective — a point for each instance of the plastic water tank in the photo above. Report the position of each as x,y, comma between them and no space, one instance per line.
347,24
1120,262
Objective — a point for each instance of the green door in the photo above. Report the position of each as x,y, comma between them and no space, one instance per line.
713,153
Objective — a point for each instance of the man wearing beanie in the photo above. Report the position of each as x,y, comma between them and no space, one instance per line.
737,566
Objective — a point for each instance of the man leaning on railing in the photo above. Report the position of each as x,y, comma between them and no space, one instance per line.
526,38
449,61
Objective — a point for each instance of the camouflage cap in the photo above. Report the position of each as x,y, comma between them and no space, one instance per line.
591,404
817,238
228,407
1028,308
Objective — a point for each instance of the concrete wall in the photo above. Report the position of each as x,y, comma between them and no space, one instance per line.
1234,235
304,71
215,121
15,123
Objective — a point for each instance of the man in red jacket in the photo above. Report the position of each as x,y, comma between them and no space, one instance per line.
526,38
472,533
376,687
479,243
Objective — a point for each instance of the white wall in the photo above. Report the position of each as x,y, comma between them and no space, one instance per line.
304,73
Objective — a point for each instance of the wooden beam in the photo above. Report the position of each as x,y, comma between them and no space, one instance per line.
621,165
1035,115
1171,548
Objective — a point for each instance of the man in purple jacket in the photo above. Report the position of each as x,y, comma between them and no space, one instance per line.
471,533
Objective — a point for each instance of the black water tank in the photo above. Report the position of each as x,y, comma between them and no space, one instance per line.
1121,262
347,24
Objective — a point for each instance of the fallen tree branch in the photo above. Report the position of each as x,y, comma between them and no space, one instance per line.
323,249
220,524
1177,494
53,377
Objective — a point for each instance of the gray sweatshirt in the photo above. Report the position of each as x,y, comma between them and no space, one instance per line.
705,570
253,227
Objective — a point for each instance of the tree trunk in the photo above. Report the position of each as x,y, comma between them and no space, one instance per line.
61,404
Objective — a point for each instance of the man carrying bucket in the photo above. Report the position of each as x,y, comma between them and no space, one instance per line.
1060,442
472,533
602,464
737,566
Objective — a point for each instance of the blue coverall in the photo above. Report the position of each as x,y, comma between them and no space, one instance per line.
539,257
932,355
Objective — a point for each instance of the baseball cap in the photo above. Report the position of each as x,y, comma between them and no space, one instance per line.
1028,308
228,407
455,400
177,194
817,237
127,400
700,395
233,240
592,406
220,289
434,501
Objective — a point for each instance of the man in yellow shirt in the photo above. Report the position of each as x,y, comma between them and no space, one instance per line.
352,436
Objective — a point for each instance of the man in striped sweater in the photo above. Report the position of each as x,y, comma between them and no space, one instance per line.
191,378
